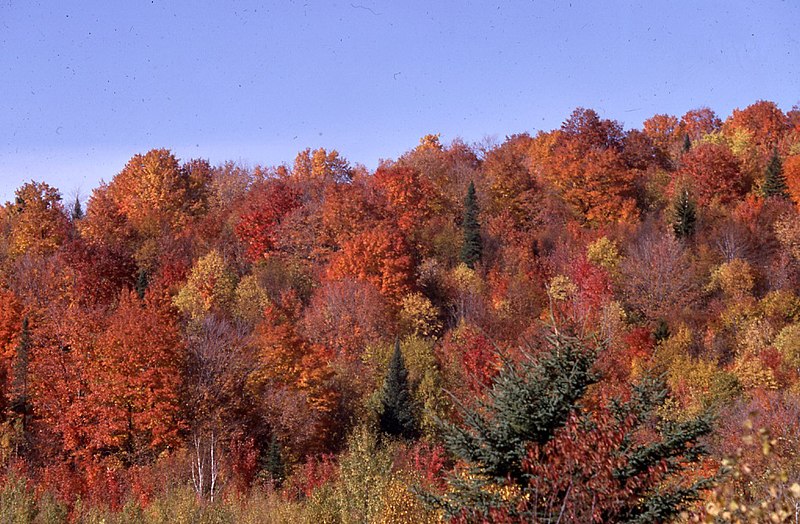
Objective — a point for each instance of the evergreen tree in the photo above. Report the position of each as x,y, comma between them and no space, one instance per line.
398,414
684,216
472,249
662,331
774,181
512,444
272,464
142,281
77,210
21,363
687,144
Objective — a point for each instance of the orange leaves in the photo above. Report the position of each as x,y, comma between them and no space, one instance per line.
587,168
136,377
37,219
791,170
380,256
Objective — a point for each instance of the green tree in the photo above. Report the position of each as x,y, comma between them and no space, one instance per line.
687,144
774,181
532,452
21,364
142,281
398,416
77,210
472,248
684,215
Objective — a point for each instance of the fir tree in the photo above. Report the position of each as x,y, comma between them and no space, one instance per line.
21,363
529,404
398,414
661,332
77,210
142,281
272,464
774,181
684,216
472,249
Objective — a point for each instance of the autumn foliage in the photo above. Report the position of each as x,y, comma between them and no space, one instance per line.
224,333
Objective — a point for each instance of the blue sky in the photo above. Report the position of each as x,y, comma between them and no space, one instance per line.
87,84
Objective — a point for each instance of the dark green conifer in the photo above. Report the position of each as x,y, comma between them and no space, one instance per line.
661,332
272,464
529,402
472,248
684,215
774,181
398,415
77,210
142,281
21,364
687,144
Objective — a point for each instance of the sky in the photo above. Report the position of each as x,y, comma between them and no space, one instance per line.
85,85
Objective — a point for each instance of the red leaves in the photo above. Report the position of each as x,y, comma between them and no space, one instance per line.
264,208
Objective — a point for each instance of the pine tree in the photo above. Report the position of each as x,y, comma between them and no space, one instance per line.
398,414
77,210
684,216
774,181
515,446
472,249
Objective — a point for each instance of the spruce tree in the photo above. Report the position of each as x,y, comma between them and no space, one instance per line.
529,405
21,364
272,464
684,216
471,249
77,210
142,281
774,181
398,414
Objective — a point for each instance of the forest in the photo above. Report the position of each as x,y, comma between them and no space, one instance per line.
588,324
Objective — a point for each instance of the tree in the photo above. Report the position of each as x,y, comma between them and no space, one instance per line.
39,224
381,256
21,363
774,181
586,167
264,207
472,248
77,210
398,416
714,174
136,376
536,448
684,215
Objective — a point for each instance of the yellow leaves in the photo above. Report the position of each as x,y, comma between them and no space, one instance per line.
734,278
250,299
752,373
781,304
787,229
604,253
210,285
561,288
788,344
418,316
